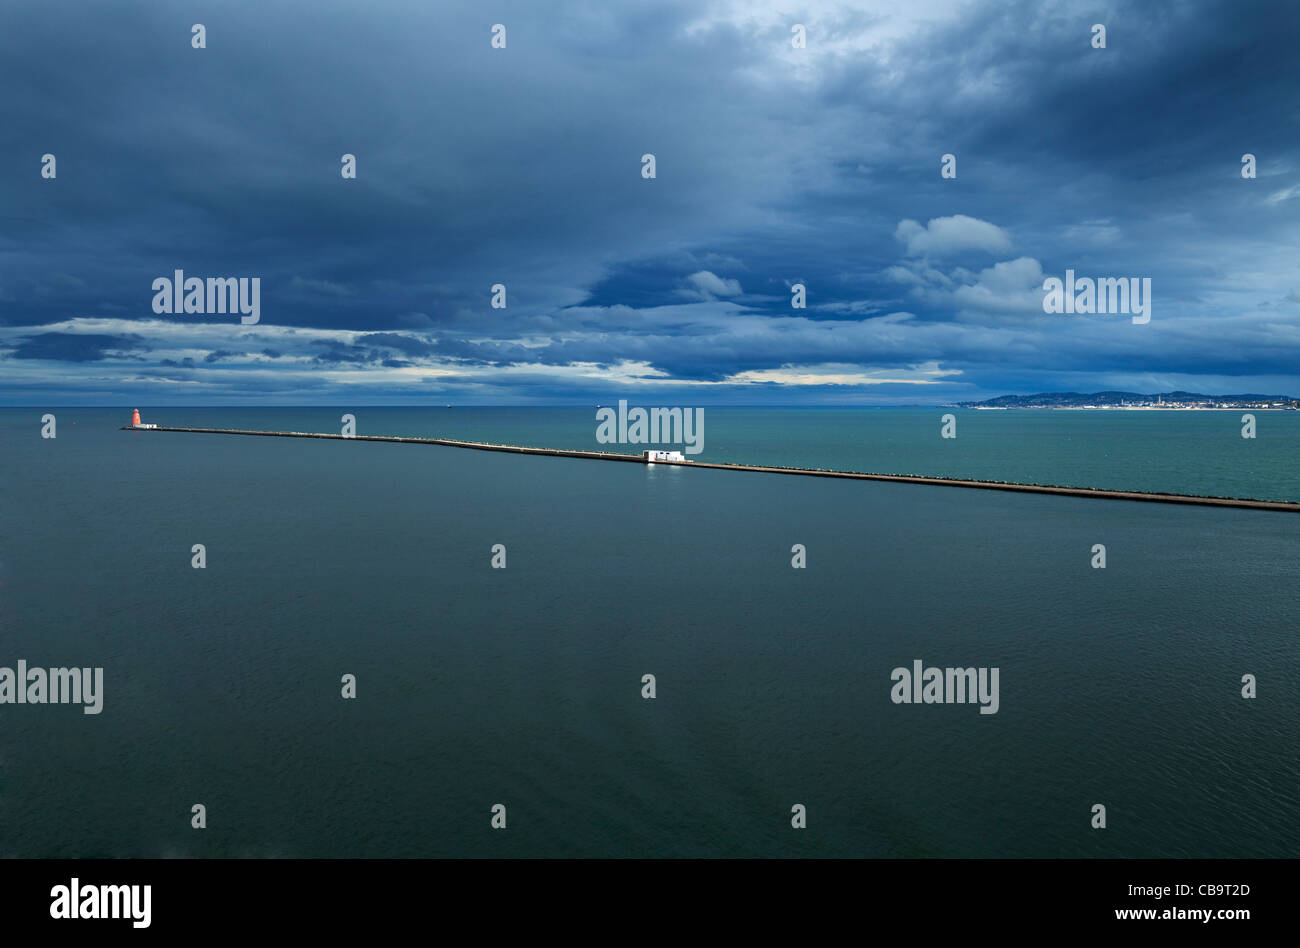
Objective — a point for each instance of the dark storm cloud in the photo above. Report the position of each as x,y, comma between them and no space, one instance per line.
521,166
73,347
335,353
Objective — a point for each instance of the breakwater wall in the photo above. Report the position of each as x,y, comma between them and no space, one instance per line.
1190,499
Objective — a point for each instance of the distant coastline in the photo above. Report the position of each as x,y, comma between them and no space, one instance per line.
977,407
1135,401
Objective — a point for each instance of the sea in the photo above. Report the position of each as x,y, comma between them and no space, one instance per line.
516,693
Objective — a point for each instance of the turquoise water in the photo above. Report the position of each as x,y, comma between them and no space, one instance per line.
1172,451
522,686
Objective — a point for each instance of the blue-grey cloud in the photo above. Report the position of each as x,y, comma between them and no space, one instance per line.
775,166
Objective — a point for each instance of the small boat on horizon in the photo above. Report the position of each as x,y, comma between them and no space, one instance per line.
674,456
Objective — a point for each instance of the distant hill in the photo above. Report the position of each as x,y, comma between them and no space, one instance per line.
1134,400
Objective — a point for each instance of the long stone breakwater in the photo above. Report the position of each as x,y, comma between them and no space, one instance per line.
1191,499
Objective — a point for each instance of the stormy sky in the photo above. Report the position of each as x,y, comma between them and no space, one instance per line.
523,166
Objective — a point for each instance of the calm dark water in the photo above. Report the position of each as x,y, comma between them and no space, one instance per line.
522,686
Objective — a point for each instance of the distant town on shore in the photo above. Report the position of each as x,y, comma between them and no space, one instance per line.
1134,400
